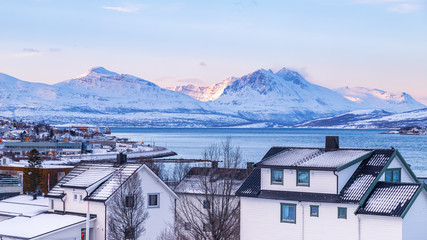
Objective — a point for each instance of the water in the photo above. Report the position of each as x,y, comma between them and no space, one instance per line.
254,143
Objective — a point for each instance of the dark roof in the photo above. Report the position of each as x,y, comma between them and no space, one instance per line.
389,199
312,158
298,196
423,179
365,175
236,173
252,185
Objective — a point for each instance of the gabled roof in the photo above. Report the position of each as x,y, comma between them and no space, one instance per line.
390,199
365,175
191,184
252,185
312,158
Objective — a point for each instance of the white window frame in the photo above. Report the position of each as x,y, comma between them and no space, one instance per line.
148,200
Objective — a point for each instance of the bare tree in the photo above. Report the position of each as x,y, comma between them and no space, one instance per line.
208,207
127,212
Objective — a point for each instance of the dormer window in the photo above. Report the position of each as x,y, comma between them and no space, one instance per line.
277,176
303,178
393,175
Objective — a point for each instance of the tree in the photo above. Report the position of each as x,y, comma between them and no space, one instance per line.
127,212
34,163
211,210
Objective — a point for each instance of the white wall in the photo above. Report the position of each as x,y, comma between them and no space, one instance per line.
405,175
320,181
374,227
345,175
260,219
415,223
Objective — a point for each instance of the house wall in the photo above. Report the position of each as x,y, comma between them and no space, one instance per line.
70,233
413,228
345,175
260,219
405,175
380,227
320,181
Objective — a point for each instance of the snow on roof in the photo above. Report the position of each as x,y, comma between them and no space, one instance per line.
311,157
23,205
107,188
38,225
365,175
99,179
389,199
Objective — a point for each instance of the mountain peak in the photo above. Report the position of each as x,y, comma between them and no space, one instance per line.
101,71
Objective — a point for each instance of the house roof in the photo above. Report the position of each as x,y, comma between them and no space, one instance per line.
38,226
192,181
389,199
365,175
312,158
252,185
100,180
423,179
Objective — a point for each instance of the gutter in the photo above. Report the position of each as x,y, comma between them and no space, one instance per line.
335,173
302,221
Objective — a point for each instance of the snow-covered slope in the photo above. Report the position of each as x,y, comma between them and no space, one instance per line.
204,93
380,100
283,97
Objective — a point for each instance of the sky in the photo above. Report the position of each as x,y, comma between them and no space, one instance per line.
334,43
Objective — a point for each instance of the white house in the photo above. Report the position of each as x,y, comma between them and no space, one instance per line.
83,198
333,193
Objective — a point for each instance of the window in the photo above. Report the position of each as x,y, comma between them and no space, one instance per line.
75,196
153,200
276,176
314,211
303,178
392,175
81,197
83,233
187,226
206,227
288,213
52,206
130,201
342,213
206,204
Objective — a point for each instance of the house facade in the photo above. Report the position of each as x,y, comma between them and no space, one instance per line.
332,193
90,187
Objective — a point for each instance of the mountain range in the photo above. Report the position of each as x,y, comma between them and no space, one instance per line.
263,98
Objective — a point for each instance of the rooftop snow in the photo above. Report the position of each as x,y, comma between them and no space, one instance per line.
90,177
23,205
389,199
38,225
311,157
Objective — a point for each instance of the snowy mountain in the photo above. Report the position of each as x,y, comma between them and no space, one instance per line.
262,98
204,94
380,100
370,119
283,97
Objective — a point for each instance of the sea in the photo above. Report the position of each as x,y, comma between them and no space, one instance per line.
255,142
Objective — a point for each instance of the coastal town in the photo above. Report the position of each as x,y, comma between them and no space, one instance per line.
83,183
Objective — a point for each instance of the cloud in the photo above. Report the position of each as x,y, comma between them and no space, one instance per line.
123,9
404,8
396,6
55,49
30,50
202,64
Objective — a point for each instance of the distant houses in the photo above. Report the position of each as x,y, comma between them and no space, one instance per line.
332,193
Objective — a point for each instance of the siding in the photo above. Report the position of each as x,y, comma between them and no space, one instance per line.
414,223
320,181
260,219
380,227
345,175
405,176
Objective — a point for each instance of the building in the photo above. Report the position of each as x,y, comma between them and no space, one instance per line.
333,193
15,177
90,187
207,194
20,149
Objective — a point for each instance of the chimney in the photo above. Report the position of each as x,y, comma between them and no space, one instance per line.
214,164
122,158
249,166
332,143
